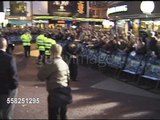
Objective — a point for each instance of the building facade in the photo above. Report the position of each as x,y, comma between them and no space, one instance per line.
129,16
46,12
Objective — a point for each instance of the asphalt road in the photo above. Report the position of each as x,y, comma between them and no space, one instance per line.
95,95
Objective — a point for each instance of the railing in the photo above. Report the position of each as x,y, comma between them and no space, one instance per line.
131,63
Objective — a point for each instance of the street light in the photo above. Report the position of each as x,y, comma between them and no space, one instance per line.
147,7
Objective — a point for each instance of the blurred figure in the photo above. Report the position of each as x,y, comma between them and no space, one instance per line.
10,47
57,78
73,51
26,41
40,40
152,44
10,44
139,46
8,81
48,42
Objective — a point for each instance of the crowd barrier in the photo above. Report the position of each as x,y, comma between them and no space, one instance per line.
151,71
132,63
137,65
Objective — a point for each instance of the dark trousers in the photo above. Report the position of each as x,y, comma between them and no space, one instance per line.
73,72
41,57
56,111
7,109
73,67
27,50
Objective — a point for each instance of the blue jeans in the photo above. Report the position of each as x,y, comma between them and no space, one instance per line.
6,110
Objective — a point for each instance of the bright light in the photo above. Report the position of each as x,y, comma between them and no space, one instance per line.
147,7
2,16
107,23
73,26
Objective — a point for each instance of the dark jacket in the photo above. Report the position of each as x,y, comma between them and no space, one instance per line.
8,73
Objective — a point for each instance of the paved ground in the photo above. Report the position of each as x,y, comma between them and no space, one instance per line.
95,95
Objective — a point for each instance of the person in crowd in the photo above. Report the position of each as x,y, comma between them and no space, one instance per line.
26,41
121,45
152,44
139,46
56,75
48,42
110,46
73,50
8,81
40,40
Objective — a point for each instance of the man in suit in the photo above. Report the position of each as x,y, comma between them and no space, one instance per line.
8,81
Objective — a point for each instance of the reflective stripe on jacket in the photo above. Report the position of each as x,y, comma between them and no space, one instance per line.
26,39
48,44
40,40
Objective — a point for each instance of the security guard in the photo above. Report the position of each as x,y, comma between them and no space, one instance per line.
48,44
73,49
40,40
26,41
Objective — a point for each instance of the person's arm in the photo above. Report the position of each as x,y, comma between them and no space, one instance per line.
44,72
21,37
13,74
31,37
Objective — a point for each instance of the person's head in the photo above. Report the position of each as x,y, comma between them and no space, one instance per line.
3,43
28,32
56,50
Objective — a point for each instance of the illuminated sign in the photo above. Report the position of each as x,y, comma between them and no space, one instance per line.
61,5
40,21
67,18
117,9
81,7
18,8
67,8
61,22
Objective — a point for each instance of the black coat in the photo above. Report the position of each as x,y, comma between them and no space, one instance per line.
8,73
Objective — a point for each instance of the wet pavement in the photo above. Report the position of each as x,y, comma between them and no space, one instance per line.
96,95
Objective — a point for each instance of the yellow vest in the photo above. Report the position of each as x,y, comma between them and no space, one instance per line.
48,44
26,39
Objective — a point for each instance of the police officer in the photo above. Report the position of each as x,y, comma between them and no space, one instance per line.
26,41
48,41
40,40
